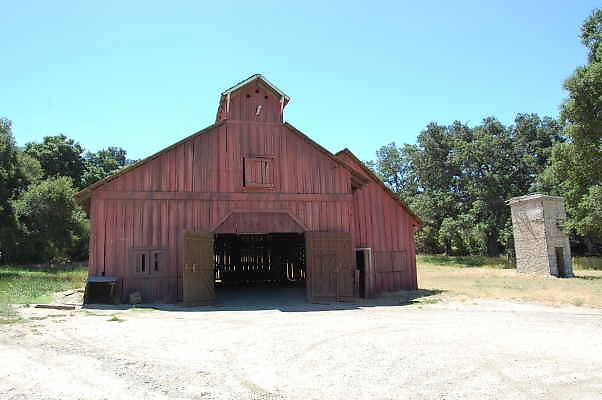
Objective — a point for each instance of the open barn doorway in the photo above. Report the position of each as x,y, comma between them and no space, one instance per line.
257,269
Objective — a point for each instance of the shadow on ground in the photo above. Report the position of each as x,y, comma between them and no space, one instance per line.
285,299
587,278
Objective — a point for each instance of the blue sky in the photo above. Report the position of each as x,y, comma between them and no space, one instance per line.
142,75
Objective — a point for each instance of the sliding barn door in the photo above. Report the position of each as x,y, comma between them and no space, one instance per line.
199,265
330,266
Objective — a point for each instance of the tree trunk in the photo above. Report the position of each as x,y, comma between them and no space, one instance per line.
592,249
493,249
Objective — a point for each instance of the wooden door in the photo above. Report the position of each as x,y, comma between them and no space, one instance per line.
330,266
199,268
148,273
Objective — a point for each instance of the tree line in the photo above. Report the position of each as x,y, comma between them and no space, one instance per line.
39,219
458,177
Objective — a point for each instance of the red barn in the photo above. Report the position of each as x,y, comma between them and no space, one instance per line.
249,199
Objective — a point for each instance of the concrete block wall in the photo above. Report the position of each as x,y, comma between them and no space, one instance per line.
555,215
537,221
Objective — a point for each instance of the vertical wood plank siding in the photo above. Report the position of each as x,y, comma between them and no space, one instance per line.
381,224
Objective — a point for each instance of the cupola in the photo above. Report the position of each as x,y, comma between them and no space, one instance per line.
254,99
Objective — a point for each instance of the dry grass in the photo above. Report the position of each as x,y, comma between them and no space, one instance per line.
594,263
495,282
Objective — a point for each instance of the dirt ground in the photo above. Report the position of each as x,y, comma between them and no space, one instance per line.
275,347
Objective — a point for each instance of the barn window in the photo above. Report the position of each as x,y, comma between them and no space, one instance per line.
148,261
258,172
139,260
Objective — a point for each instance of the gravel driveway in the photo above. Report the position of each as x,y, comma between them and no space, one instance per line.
456,350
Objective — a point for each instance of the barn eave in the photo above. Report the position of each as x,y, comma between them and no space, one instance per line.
356,177
262,79
377,180
83,196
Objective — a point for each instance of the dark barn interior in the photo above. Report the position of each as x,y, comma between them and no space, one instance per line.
360,262
253,263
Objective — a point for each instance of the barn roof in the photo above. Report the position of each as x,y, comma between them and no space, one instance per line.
262,79
376,179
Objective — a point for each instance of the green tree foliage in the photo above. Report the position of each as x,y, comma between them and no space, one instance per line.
8,162
59,156
576,166
591,35
38,219
457,178
30,170
9,178
394,169
103,163
17,170
52,226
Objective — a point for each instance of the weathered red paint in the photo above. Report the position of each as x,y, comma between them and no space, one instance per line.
387,227
197,185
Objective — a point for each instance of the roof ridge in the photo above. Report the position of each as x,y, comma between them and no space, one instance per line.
251,79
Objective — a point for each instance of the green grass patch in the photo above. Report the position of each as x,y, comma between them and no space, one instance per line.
579,263
138,307
465,261
428,301
587,263
7,321
92,314
23,285
48,316
115,318
419,296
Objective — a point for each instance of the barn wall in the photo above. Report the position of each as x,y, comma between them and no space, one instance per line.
212,162
194,185
381,224
118,225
